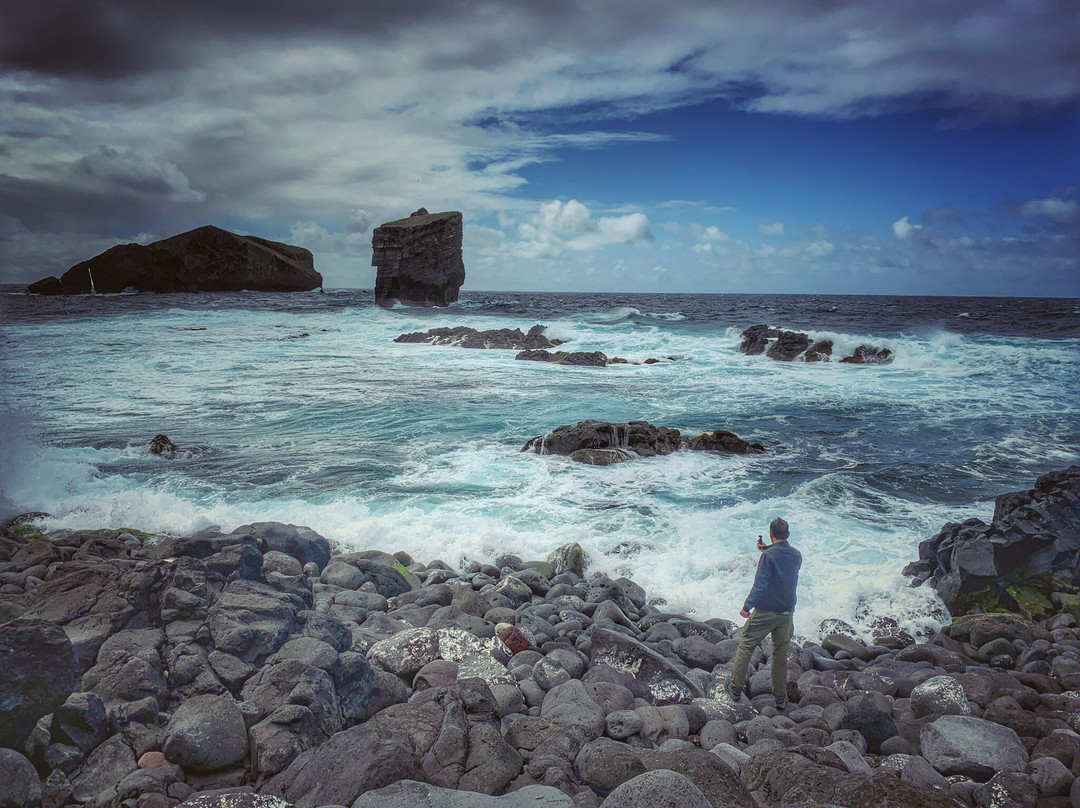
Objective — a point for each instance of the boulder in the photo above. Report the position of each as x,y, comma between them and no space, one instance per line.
654,678
939,695
232,798
251,620
207,259
1012,563
708,772
411,794
302,543
655,789
206,734
447,736
21,786
605,764
955,744
869,355
419,259
594,359
39,673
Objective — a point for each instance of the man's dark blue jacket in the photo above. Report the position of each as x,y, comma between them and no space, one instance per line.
776,579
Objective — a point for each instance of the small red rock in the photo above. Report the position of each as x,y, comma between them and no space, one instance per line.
513,638
152,760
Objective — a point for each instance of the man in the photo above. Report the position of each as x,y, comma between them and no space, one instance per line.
772,601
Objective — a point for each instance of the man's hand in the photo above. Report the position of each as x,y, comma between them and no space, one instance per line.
744,613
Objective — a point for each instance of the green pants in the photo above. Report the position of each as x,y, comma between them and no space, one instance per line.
758,627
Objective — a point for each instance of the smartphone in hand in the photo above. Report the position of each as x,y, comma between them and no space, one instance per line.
761,543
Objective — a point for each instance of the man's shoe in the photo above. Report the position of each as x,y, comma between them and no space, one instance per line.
734,692
781,704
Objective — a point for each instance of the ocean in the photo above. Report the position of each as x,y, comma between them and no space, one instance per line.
300,408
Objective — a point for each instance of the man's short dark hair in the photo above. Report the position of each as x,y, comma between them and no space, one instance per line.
779,528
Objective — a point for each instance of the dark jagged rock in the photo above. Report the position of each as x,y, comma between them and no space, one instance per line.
788,346
594,359
161,445
602,443
869,355
207,259
723,441
1017,561
465,337
419,259
39,673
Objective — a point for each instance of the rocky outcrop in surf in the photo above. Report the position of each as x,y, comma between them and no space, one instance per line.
602,443
207,259
419,259
789,346
1024,560
496,338
261,668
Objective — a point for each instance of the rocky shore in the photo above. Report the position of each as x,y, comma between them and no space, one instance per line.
264,667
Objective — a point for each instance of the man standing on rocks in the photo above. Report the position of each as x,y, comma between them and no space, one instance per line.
772,601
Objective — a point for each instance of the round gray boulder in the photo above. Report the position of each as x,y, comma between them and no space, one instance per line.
21,787
206,734
962,744
939,695
657,789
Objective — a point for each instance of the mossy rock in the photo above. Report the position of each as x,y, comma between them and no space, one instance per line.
29,532
1030,602
979,629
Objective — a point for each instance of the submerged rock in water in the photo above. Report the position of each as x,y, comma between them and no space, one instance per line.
594,359
601,443
789,346
465,337
419,259
207,259
161,445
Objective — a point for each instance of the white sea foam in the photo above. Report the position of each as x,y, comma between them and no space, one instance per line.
395,446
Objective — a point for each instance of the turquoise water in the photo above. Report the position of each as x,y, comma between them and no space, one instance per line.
304,410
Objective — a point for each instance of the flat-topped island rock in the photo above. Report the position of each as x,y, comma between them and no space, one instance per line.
207,259
419,259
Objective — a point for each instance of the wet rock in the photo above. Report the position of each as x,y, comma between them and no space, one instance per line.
419,259
39,673
498,338
600,457
787,346
162,446
971,746
723,441
594,359
869,355
639,437
206,734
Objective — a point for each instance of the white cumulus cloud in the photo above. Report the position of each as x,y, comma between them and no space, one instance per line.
903,229
1056,208
774,229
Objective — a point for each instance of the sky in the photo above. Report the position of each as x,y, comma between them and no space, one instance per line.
768,146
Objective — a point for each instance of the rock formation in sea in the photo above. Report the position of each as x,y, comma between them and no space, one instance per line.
264,668
207,259
1018,561
496,338
419,259
789,346
602,443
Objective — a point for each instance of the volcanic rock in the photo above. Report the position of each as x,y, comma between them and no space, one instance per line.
592,359
601,443
1014,561
465,337
419,259
207,259
39,673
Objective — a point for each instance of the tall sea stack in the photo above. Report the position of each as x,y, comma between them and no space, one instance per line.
419,259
